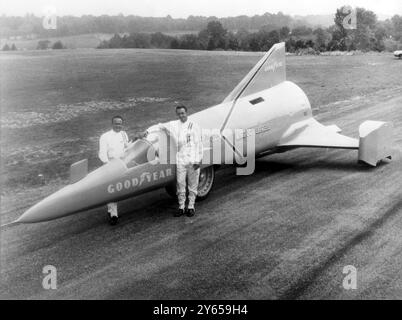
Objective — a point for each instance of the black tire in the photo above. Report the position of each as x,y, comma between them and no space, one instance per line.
206,181
171,190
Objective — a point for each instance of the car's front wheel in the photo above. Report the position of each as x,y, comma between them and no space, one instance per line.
205,183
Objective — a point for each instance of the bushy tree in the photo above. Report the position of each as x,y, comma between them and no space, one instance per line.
242,37
217,36
116,41
302,31
322,39
189,41
43,45
160,40
363,36
397,27
58,45
267,39
284,33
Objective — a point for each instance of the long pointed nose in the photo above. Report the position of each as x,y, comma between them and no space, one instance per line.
84,194
61,203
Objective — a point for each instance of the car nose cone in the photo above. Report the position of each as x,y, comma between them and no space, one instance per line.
84,194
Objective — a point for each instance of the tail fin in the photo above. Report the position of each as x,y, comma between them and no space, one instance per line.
268,72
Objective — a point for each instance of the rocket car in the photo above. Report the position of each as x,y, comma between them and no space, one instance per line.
276,110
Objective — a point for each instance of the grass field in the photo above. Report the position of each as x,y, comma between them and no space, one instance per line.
55,104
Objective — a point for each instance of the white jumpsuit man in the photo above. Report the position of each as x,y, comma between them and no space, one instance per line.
187,135
112,144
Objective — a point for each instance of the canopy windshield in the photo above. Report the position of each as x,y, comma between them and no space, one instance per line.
139,152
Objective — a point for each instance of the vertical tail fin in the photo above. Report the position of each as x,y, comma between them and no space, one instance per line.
268,72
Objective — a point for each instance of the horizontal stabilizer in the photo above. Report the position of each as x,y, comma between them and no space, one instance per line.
373,144
311,133
334,128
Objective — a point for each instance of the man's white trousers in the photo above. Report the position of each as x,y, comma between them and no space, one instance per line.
187,174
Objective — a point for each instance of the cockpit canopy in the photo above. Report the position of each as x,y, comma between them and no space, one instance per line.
156,145
139,152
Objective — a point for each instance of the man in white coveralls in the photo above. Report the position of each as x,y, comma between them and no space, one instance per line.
112,144
187,135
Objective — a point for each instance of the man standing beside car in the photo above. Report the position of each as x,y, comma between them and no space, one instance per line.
187,135
112,144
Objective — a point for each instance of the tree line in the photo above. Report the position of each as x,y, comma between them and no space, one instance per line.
369,34
42,45
71,25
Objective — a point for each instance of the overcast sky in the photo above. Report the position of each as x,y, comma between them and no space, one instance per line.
184,8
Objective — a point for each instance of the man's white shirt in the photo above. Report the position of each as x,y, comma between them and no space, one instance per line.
112,145
188,141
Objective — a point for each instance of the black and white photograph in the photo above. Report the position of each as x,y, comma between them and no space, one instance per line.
222,151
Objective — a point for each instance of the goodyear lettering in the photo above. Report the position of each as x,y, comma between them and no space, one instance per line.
119,186
146,177
273,66
246,133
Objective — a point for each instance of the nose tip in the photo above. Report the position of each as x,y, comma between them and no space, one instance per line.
84,194
30,216
49,208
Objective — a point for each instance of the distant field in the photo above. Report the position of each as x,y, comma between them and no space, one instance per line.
82,41
55,104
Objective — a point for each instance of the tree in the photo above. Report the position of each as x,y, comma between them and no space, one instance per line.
160,40
267,39
363,37
233,42
6,47
115,41
43,45
58,45
253,42
217,35
189,41
397,27
302,31
322,39
284,33
242,37
340,33
13,47
175,44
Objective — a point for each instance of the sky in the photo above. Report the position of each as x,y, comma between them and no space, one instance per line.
184,8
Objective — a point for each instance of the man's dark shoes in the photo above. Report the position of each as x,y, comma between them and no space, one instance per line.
190,212
113,220
179,213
